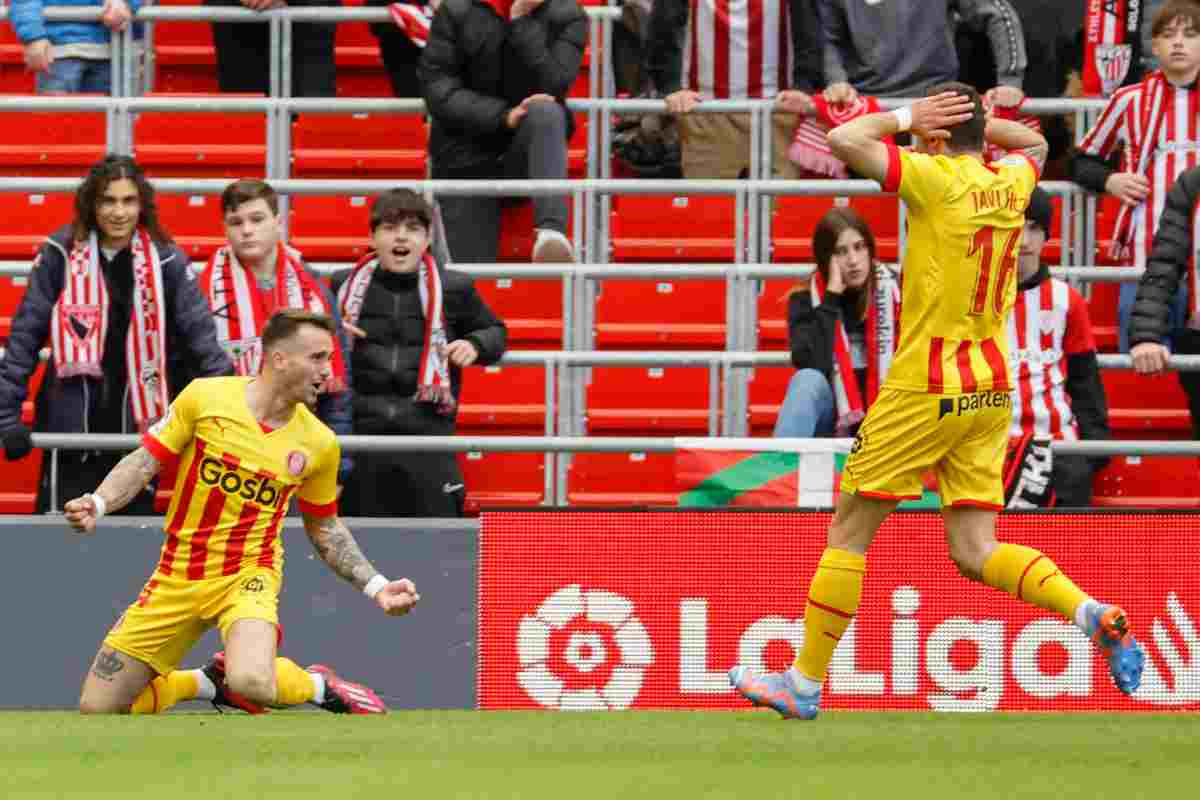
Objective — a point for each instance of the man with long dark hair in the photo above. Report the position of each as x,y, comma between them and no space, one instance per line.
113,297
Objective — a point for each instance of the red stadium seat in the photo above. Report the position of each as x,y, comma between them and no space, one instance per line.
661,314
1141,407
503,397
29,219
14,78
773,312
795,218
201,145
622,479
502,479
648,400
1147,482
767,389
672,229
195,223
45,144
330,228
1102,311
184,58
384,146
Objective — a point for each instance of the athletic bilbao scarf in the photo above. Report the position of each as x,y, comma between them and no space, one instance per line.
1137,157
240,310
414,20
79,325
809,150
433,382
1110,30
883,315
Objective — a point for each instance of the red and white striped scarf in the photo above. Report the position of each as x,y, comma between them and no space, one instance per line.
993,153
414,20
1150,111
433,380
79,325
809,149
883,319
1110,29
240,310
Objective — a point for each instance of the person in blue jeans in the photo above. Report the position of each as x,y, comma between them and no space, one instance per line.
70,57
851,301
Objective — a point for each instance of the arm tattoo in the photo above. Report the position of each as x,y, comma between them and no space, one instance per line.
336,546
131,474
107,665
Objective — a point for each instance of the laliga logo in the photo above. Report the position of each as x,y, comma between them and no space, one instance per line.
583,651
1184,667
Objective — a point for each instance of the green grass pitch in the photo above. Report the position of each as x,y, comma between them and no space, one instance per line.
428,755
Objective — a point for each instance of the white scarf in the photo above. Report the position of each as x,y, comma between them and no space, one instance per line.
79,325
433,382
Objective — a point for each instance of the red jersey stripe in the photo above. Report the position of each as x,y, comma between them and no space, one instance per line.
962,358
995,361
754,32
721,40
157,448
183,501
327,510
236,546
266,554
198,557
937,384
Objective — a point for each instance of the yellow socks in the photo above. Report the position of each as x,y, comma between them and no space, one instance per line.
293,685
833,598
1028,575
167,690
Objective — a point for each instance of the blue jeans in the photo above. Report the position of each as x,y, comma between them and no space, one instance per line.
1176,320
807,409
76,75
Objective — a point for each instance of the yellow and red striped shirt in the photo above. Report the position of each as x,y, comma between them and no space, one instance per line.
235,480
958,276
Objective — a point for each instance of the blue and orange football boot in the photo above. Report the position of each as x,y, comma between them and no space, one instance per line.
215,671
1109,628
775,690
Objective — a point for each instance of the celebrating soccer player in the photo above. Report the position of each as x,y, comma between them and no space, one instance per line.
945,403
245,445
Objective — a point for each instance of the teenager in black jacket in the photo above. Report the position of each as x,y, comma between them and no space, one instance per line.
409,351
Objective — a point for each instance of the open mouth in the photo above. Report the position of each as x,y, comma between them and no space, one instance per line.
401,251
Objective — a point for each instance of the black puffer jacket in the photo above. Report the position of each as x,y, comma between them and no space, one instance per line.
98,405
477,67
811,331
386,363
1170,258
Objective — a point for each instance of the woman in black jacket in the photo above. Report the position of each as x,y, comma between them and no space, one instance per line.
828,329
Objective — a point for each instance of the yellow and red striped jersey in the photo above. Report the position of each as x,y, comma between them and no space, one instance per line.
958,275
235,479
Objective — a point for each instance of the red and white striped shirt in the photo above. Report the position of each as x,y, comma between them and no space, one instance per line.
1048,323
1123,122
738,49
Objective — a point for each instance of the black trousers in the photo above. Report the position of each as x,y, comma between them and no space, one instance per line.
1071,479
243,51
538,151
1187,343
404,485
81,472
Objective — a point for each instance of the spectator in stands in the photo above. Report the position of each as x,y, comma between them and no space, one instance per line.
1057,392
126,324
1154,127
70,56
254,275
408,357
243,51
842,328
495,76
401,40
705,50
902,47
1154,330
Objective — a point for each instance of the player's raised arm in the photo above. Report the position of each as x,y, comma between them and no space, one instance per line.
337,547
1014,137
859,142
131,475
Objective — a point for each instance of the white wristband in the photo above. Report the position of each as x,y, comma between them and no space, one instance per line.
374,585
99,504
903,118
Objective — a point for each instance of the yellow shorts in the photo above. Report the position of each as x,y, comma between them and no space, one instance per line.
962,438
171,614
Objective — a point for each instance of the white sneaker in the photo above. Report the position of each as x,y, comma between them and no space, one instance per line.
552,247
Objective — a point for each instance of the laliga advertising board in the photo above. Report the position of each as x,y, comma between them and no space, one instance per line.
648,609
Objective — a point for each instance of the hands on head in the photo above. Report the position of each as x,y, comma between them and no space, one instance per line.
933,116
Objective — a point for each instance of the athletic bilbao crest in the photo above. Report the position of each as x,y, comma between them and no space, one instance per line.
82,321
1112,65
